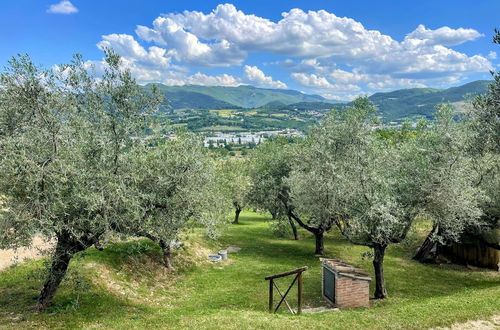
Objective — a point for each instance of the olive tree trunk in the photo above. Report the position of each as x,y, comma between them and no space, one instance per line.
378,265
320,246
294,229
167,260
165,248
316,231
66,247
237,215
429,250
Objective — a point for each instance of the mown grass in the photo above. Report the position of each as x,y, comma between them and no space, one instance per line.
124,286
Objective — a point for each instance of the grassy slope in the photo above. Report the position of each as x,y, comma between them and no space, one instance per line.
130,290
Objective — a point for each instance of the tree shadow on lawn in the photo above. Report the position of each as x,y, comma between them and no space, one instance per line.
73,304
85,294
235,285
406,278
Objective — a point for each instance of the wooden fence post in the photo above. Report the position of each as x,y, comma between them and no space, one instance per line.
299,292
271,295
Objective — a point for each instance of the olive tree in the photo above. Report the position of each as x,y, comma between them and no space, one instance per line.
485,115
76,163
451,197
178,188
483,146
271,163
464,156
63,137
372,188
236,181
483,127
316,180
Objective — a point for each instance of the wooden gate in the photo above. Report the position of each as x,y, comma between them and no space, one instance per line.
298,278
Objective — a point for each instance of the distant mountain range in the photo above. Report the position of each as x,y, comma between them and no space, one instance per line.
408,103
219,97
396,105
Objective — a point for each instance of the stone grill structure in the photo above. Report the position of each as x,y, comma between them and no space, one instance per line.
344,285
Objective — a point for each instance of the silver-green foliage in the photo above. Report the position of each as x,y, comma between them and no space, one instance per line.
76,162
235,179
64,134
372,188
177,186
484,144
271,163
451,196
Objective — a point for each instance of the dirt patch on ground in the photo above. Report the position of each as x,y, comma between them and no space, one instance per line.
492,324
38,249
193,254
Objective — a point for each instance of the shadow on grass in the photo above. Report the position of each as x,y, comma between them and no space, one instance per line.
81,299
405,278
235,285
77,301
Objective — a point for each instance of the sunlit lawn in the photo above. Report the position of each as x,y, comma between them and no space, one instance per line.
124,286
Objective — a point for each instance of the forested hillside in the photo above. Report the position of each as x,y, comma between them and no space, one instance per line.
203,108
216,97
407,103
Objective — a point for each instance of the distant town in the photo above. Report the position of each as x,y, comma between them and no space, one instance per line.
219,139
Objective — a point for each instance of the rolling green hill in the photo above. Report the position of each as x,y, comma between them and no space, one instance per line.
209,108
408,103
218,97
187,99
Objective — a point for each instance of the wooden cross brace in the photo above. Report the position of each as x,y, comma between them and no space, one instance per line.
272,284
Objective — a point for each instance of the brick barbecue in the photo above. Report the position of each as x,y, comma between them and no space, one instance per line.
344,285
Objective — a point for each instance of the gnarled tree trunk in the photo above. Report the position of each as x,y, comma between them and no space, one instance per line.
237,215
320,247
378,265
427,253
66,247
165,248
294,229
316,231
167,261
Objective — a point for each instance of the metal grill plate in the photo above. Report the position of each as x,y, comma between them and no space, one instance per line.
329,284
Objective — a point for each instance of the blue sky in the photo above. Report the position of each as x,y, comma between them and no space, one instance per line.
338,49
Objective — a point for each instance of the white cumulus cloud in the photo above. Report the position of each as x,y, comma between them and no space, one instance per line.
443,36
203,79
299,34
63,7
326,53
312,80
255,75
186,47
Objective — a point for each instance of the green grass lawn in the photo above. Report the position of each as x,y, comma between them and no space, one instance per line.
124,286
